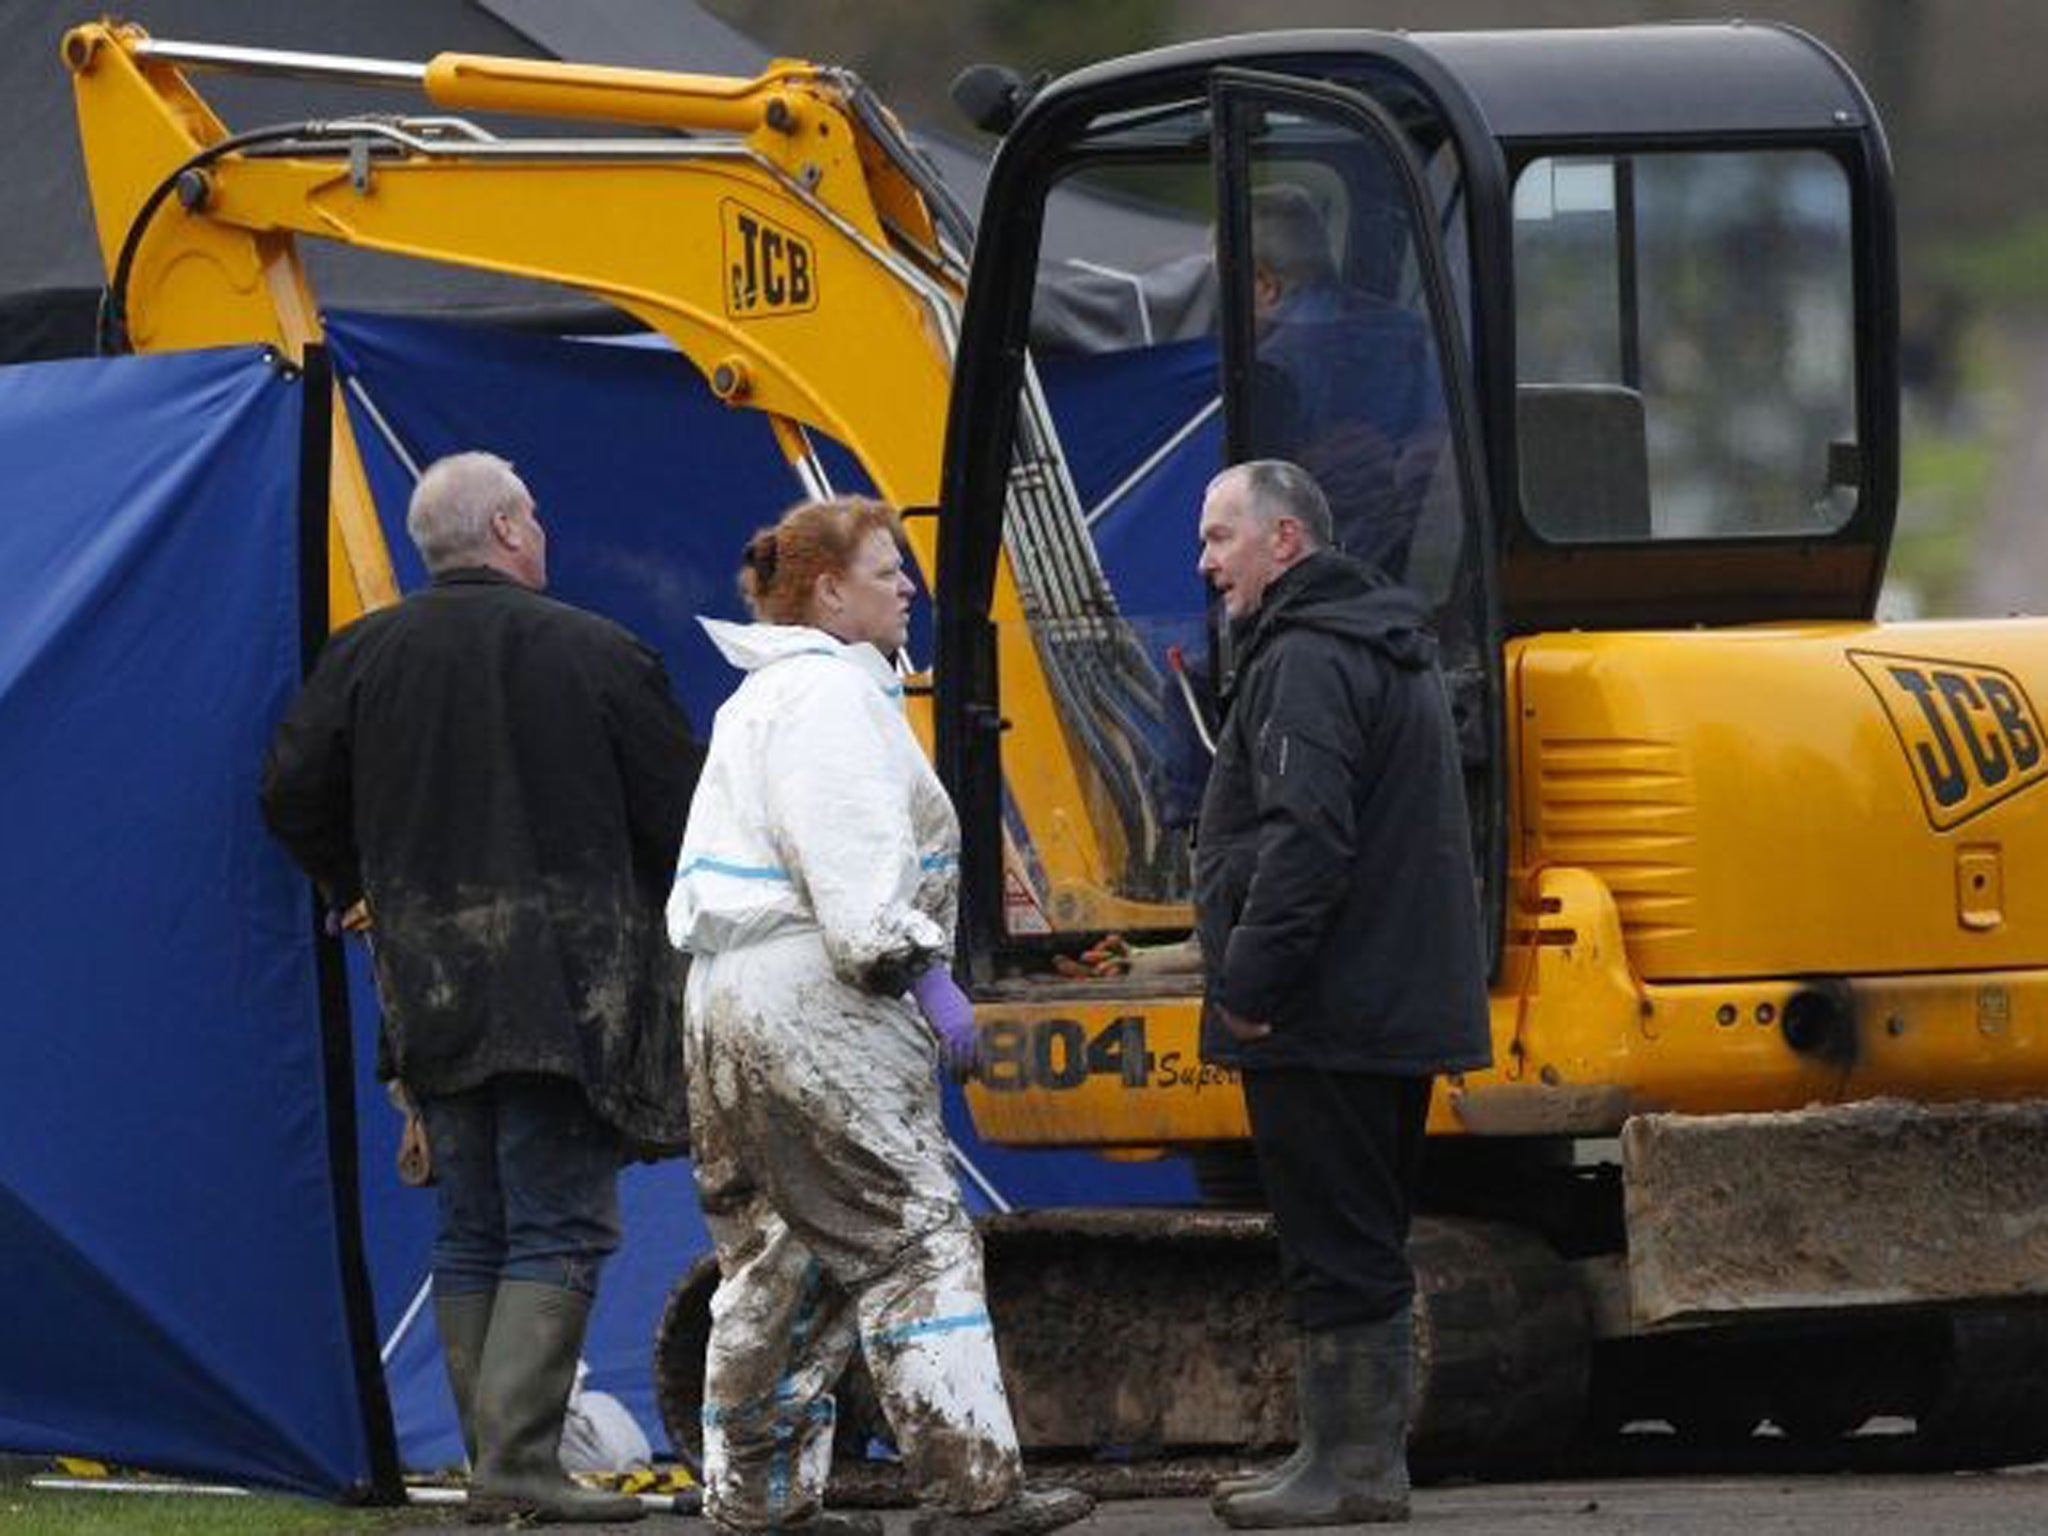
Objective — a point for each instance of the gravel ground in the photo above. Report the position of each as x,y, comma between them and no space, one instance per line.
2009,1503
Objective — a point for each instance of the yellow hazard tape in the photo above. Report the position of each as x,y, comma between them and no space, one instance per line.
670,1479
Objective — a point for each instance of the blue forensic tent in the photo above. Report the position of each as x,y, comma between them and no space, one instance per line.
649,485
178,1237
1143,432
178,1147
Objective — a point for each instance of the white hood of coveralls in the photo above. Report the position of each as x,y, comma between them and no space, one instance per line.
750,647
816,809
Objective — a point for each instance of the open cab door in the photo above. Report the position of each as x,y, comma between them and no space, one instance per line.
1298,302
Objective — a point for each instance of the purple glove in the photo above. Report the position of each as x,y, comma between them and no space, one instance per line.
951,1016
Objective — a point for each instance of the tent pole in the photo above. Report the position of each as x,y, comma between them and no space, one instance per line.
384,1484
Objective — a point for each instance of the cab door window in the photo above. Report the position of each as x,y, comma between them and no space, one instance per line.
1334,336
1276,303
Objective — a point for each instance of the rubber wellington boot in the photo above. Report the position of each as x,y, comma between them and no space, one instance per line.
1033,1511
1229,1487
522,1396
1304,1445
1249,1482
1353,1391
464,1322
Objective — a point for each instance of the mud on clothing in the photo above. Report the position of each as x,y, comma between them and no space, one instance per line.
506,778
819,872
821,1165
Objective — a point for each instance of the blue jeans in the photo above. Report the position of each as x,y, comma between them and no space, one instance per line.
528,1178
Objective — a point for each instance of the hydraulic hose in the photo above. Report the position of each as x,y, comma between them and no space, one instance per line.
110,330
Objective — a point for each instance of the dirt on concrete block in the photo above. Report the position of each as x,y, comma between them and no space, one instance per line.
1864,1204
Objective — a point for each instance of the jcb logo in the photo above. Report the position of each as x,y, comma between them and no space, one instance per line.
1970,733
769,270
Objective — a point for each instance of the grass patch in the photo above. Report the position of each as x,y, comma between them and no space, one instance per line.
2005,271
46,1512
1948,461
1944,483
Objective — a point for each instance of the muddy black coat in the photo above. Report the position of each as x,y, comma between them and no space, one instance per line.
506,777
1333,867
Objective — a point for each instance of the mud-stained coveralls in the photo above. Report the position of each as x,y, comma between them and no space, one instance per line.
819,872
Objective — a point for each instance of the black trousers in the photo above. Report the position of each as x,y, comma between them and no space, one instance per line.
1340,1154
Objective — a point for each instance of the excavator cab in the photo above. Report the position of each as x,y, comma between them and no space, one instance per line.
1298,302
1586,330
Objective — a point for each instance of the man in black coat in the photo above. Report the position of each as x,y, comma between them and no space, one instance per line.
1339,926
502,781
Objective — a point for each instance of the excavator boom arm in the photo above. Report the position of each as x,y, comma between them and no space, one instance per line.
785,237
780,247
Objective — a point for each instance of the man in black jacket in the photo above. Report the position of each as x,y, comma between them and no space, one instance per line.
1340,934
502,780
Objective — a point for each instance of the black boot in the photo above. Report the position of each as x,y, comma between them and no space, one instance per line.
1248,1482
1353,1390
522,1396
1304,1445
1032,1512
464,1323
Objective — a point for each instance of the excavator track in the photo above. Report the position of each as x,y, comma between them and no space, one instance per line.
1146,1354
1147,1337
1923,1390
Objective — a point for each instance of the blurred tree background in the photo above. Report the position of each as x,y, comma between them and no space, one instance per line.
1957,82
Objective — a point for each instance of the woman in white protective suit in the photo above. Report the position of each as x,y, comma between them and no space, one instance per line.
816,892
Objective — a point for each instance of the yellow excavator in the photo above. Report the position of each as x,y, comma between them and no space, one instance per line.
1593,338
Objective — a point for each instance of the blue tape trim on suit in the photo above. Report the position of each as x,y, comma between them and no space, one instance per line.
801,1330
936,1325
802,1326
737,871
821,1410
775,872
